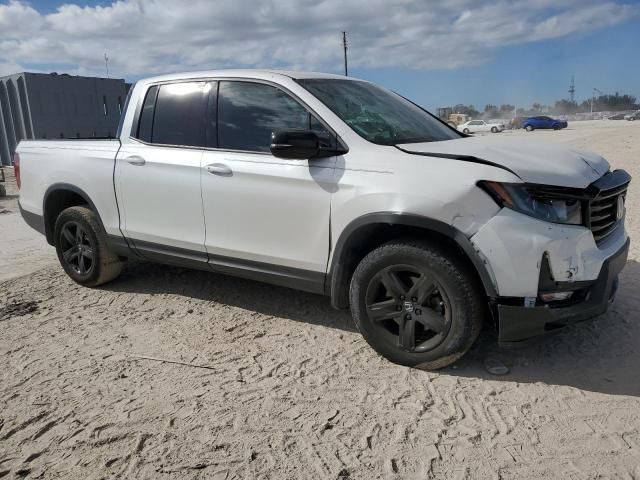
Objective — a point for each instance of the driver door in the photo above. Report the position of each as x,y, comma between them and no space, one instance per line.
261,212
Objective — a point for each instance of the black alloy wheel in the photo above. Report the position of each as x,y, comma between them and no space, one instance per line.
416,303
409,308
77,249
82,247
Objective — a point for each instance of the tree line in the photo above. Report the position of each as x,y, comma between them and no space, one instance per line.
601,103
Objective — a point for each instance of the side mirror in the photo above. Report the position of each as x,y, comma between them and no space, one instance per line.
301,145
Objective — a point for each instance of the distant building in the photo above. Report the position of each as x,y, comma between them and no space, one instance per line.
48,105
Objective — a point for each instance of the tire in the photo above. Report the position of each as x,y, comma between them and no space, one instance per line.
82,248
465,131
494,130
529,128
556,127
3,191
428,308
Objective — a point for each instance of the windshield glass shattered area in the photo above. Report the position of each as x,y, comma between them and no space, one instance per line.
376,114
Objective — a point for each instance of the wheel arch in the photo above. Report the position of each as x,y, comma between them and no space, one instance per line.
370,231
58,197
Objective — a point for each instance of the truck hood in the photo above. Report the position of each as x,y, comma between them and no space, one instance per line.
532,161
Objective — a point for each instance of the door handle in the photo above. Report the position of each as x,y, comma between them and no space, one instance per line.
219,169
136,160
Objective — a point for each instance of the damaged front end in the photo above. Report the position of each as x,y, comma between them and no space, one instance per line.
517,322
551,264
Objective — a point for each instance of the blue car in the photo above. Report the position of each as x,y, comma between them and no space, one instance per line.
532,123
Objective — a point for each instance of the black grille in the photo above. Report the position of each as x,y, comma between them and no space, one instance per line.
603,210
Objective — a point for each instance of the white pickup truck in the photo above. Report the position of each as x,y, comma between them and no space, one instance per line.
337,186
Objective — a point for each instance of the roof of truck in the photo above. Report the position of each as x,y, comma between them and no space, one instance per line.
244,73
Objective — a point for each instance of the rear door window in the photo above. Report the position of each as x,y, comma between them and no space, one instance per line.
182,115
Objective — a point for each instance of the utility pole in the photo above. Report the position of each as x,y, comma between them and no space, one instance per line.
344,45
572,90
106,63
593,96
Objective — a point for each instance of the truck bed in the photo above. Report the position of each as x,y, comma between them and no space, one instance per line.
70,143
86,164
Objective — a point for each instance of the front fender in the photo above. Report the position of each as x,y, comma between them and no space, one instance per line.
339,274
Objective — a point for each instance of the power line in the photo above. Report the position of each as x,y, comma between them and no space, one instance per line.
344,45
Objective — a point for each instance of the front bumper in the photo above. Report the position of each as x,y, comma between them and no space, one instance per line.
512,246
519,323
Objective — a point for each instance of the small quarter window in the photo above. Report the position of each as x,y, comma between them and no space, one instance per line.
145,124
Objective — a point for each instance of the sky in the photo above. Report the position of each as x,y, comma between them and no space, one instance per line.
437,53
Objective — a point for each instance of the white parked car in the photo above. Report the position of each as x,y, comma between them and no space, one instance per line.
339,187
633,116
476,126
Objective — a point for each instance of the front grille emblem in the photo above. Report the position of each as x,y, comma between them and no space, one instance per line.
408,306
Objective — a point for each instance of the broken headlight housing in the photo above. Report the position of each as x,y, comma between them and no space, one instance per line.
551,204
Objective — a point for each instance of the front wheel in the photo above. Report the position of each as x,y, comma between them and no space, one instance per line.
416,304
465,131
494,129
529,128
82,248
556,127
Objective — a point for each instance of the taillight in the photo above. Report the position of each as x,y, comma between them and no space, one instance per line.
16,168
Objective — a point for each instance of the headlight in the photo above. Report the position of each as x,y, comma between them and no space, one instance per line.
544,203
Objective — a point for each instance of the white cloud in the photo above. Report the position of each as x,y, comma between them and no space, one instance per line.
150,36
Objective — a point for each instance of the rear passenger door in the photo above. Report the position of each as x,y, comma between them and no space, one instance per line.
264,213
157,173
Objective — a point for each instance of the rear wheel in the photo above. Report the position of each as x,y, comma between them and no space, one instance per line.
529,128
416,304
466,131
82,248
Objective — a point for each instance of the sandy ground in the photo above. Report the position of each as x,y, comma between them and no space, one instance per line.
21,251
286,388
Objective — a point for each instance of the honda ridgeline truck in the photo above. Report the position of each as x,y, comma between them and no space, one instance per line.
339,187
